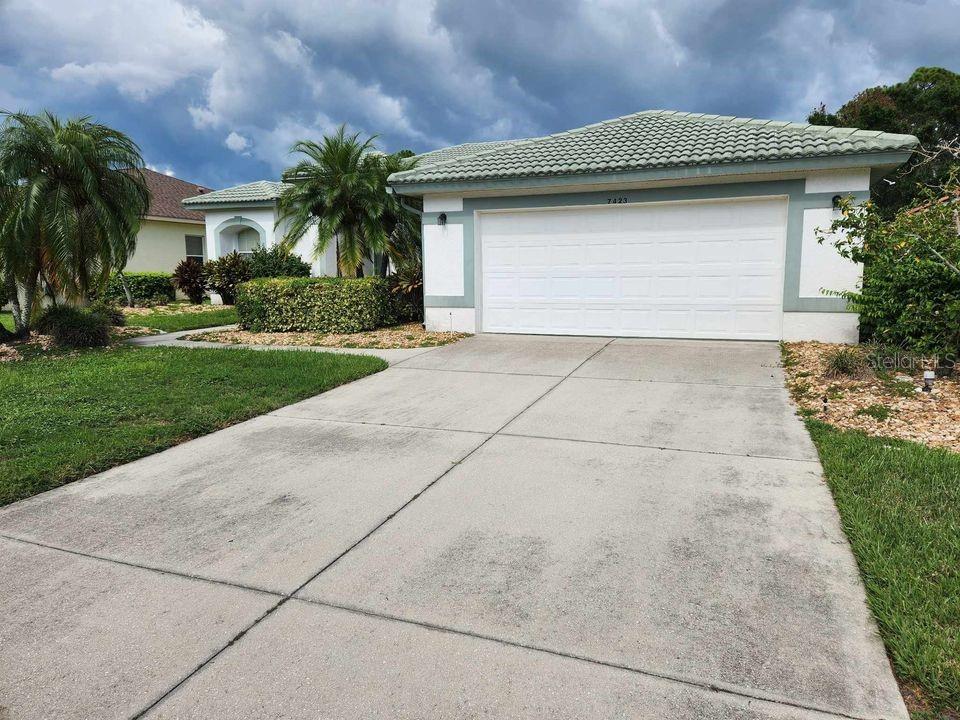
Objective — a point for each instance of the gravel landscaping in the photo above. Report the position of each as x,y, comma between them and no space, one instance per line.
879,403
411,335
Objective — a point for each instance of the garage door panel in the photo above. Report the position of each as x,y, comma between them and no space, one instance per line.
638,253
715,287
601,253
568,253
636,287
765,250
600,287
711,269
756,287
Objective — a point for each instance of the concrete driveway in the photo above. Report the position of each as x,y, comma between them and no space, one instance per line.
522,527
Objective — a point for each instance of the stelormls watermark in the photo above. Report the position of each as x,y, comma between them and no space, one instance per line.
911,363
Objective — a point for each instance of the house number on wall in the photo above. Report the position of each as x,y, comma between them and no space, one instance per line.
616,200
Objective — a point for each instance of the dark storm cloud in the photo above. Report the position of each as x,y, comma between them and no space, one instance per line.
217,91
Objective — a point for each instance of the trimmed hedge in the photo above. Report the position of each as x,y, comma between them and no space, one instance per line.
145,287
336,305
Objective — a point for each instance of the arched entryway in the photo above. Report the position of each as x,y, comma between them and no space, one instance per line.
238,234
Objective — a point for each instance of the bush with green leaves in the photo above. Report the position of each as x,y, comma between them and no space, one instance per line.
113,314
225,273
277,262
406,292
190,278
145,287
329,305
910,293
75,328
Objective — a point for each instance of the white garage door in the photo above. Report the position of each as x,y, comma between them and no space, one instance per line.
684,269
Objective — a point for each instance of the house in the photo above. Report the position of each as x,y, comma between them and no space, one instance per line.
169,233
658,224
245,217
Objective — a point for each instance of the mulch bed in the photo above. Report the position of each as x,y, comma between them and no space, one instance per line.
878,403
43,345
171,309
411,335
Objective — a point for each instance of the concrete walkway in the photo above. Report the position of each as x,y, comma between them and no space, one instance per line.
508,527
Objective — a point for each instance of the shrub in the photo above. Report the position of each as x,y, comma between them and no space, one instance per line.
113,314
72,327
406,293
277,262
52,316
337,305
145,287
910,294
225,273
844,362
191,278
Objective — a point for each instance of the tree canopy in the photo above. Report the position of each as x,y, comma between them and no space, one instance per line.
72,195
927,105
340,188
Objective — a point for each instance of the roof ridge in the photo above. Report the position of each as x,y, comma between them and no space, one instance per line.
834,130
438,163
523,142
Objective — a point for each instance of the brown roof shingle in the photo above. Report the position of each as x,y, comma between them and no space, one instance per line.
166,192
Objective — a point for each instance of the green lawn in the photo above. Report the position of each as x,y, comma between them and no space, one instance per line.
162,319
900,507
6,319
62,418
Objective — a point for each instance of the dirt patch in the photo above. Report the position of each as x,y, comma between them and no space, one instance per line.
38,345
411,335
882,404
131,331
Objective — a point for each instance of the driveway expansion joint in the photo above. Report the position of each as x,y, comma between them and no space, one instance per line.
663,448
286,598
738,691
283,598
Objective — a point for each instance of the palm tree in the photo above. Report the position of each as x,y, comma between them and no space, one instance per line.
340,188
71,199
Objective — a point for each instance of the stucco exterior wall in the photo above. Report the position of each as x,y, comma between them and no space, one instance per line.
222,225
161,245
809,266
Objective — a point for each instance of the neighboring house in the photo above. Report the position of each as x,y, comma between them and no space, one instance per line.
657,224
244,217
169,233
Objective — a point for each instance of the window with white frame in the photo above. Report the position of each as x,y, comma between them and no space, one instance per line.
194,245
247,241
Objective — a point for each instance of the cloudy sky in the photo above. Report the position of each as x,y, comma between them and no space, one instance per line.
215,91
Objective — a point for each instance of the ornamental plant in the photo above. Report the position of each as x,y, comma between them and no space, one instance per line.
225,273
910,293
277,261
190,277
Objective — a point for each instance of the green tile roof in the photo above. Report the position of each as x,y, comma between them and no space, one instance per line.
259,191
648,140
457,151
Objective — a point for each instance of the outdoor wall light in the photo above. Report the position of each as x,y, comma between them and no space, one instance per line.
442,219
928,376
836,202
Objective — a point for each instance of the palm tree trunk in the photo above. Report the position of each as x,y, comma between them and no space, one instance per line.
12,291
29,298
126,288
